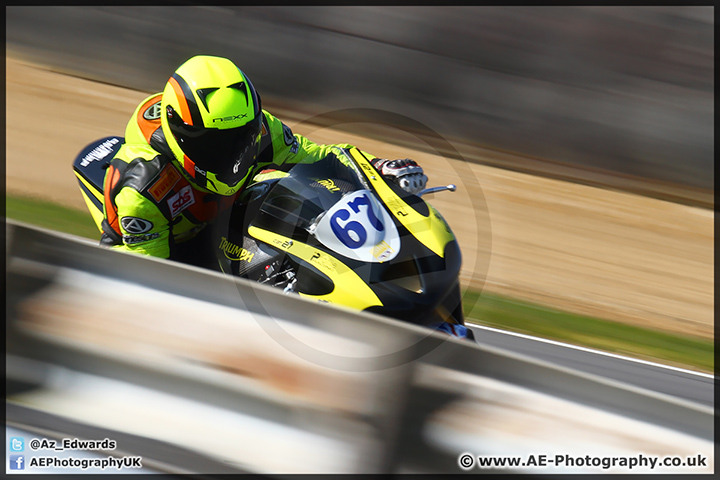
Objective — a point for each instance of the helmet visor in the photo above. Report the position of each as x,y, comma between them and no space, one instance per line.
228,154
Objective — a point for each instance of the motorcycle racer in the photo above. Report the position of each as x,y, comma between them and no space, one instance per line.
187,154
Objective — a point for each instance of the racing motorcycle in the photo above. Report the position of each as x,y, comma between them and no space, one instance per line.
334,231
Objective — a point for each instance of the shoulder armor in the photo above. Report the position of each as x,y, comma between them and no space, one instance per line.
145,121
140,173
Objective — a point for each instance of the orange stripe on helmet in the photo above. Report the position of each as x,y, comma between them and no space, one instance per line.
189,166
111,178
182,101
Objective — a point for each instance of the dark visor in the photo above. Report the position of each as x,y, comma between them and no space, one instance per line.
228,154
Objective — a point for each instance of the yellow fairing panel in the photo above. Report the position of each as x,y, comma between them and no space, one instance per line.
350,290
97,214
431,231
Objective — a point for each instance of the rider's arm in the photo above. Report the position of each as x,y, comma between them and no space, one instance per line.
145,230
280,146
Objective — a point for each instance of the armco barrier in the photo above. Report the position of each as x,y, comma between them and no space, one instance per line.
201,355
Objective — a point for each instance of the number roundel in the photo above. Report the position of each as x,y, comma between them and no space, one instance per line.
352,234
357,226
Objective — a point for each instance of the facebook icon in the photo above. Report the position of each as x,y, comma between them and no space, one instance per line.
17,462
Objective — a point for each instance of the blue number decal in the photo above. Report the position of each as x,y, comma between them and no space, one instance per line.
343,232
364,200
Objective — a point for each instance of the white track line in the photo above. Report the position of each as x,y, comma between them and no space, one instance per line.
590,350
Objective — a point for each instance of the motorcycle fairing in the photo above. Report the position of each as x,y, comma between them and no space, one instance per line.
358,227
430,230
89,168
280,214
349,288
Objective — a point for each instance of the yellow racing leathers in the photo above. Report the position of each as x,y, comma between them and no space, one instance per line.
151,207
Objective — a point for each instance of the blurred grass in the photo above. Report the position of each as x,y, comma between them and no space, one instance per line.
643,343
486,309
52,216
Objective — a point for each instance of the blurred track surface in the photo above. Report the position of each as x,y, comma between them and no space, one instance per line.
688,385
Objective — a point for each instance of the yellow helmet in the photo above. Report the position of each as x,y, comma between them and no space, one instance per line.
212,121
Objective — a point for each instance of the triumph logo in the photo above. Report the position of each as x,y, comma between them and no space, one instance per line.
135,225
234,252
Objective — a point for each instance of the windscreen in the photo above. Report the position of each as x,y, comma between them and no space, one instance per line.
295,201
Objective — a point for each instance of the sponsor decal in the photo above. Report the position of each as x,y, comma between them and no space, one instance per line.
329,184
368,167
135,225
264,130
290,139
284,244
369,170
153,111
181,200
382,251
134,239
396,206
235,252
99,152
167,180
288,135
325,261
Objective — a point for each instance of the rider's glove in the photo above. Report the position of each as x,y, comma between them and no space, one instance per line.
405,172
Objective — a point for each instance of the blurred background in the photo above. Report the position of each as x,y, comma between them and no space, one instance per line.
617,97
576,92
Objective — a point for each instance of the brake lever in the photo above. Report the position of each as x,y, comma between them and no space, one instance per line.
450,187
